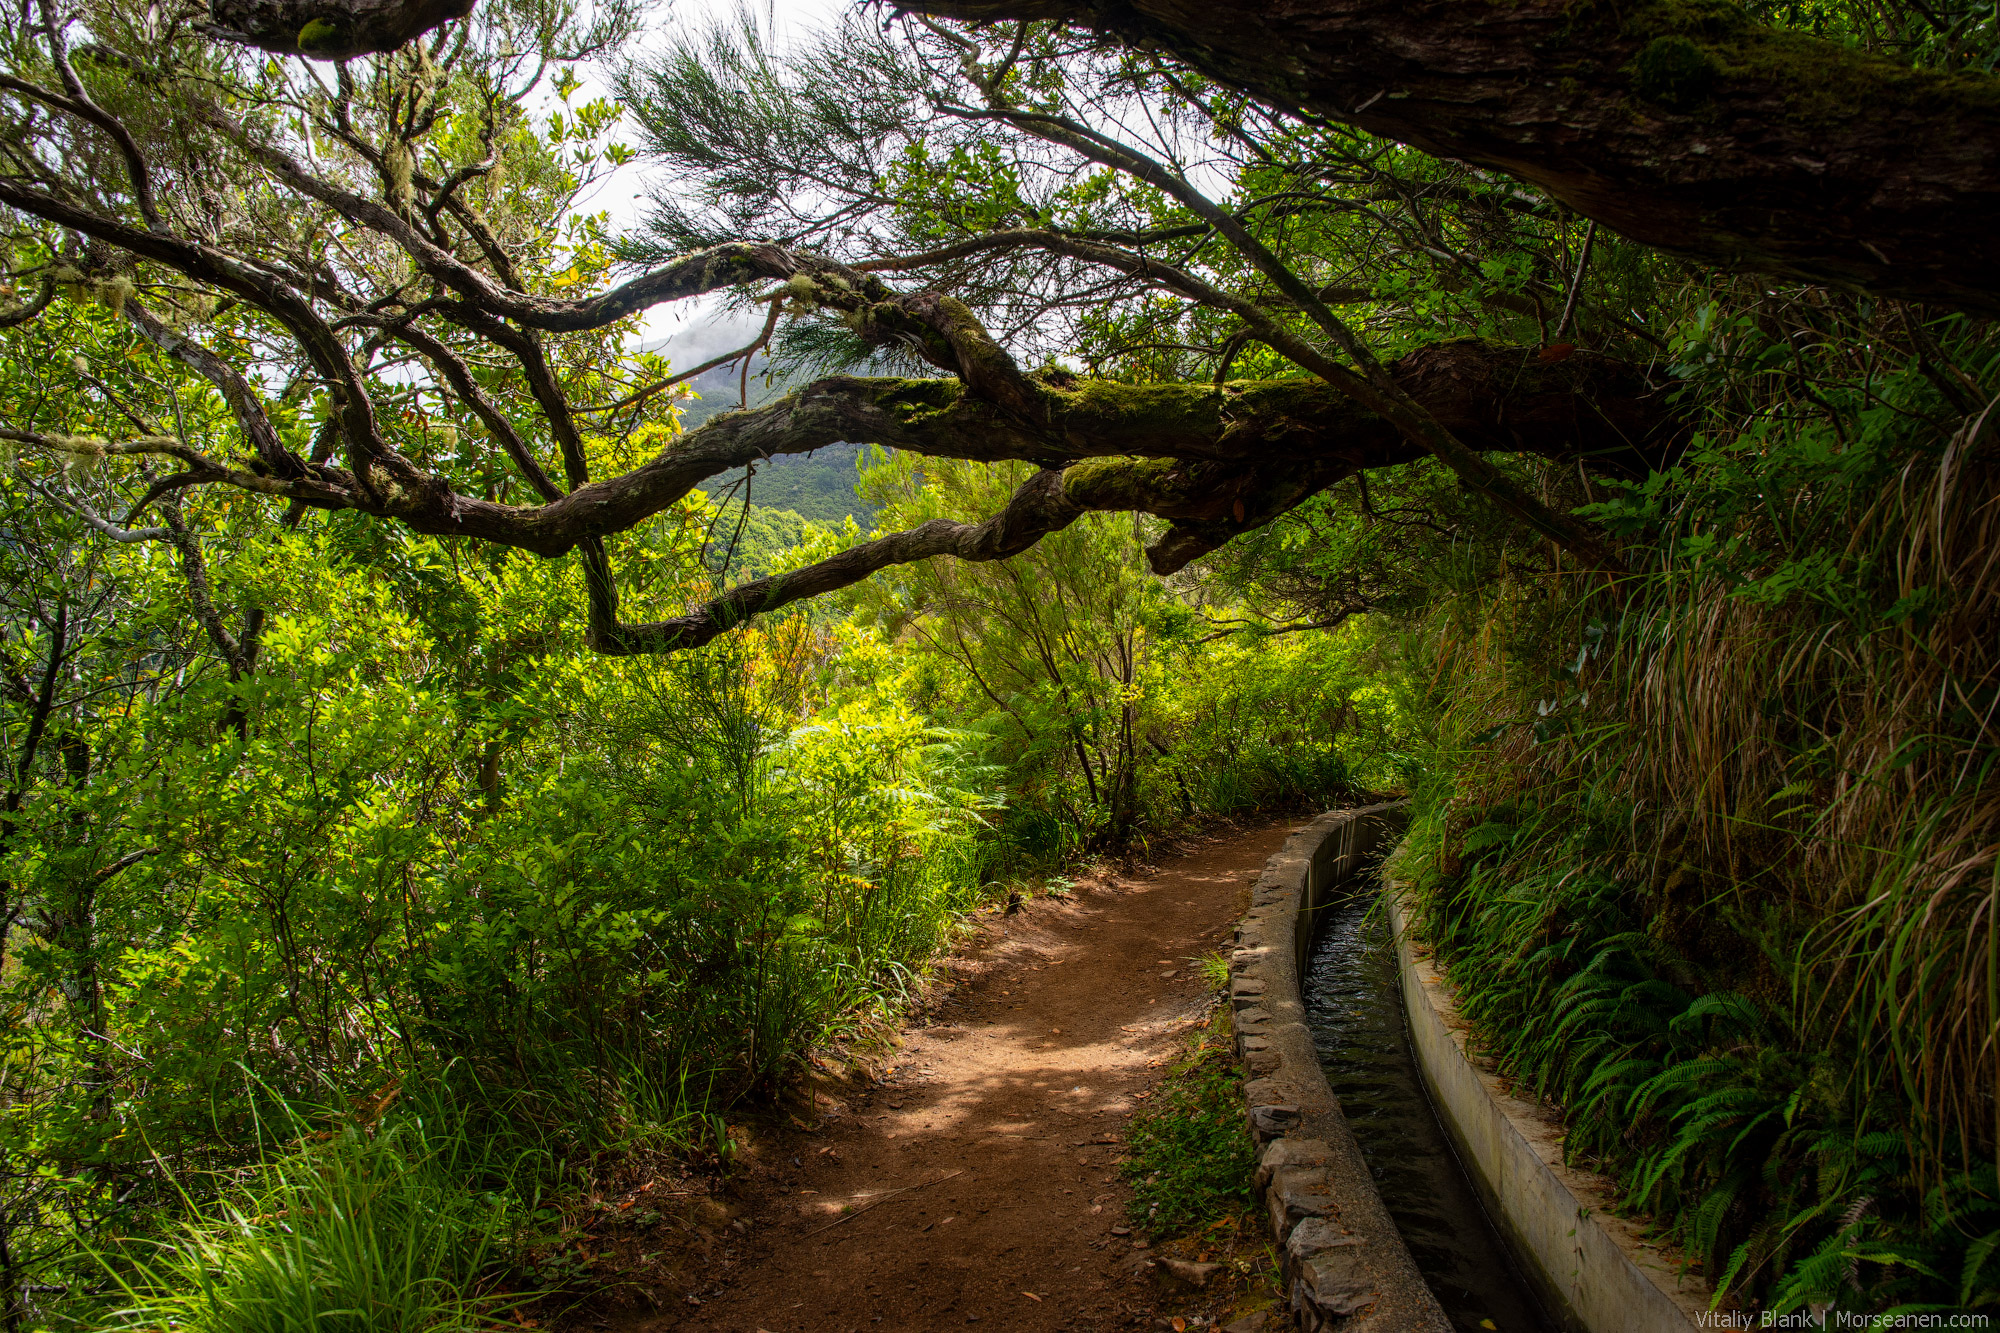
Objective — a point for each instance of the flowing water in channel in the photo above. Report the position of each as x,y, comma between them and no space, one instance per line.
1355,1010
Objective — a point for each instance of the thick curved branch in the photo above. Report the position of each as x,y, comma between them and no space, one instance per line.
1211,504
1038,508
251,419
1368,382
1223,463
1495,398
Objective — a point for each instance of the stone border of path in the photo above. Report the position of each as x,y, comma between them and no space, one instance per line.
1344,1262
1590,1267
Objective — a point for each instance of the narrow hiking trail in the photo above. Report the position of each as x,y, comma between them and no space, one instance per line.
980,1174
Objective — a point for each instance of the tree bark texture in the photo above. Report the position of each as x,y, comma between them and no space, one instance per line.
1214,462
330,29
1257,447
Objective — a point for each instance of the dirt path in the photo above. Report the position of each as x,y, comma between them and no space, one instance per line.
998,1125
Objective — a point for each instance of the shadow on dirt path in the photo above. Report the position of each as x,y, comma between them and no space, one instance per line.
977,1186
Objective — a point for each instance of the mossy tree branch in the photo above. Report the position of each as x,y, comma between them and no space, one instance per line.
1215,460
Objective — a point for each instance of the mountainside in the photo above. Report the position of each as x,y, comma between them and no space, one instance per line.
818,486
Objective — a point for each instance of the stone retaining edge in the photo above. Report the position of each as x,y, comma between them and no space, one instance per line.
1345,1265
1592,1269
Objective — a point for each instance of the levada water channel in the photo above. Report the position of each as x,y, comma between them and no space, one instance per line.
1355,1010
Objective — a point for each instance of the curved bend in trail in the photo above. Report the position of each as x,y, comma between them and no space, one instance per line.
1004,1116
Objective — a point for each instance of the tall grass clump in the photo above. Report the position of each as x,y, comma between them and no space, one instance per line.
1716,853
394,1227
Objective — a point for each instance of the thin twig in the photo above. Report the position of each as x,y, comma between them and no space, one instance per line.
846,1217
1575,284
641,395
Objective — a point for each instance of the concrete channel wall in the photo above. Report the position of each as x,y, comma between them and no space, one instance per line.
1593,1270
1345,1264
1346,1267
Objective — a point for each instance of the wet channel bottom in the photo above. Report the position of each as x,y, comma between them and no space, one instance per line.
1355,1009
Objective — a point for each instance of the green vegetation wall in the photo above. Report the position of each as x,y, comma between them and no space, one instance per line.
1710,851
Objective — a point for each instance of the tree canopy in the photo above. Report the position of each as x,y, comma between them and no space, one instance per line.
1706,129
961,179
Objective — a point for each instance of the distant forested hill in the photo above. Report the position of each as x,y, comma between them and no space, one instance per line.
753,546
817,486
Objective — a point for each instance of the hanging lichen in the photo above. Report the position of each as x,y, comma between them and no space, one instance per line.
398,167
